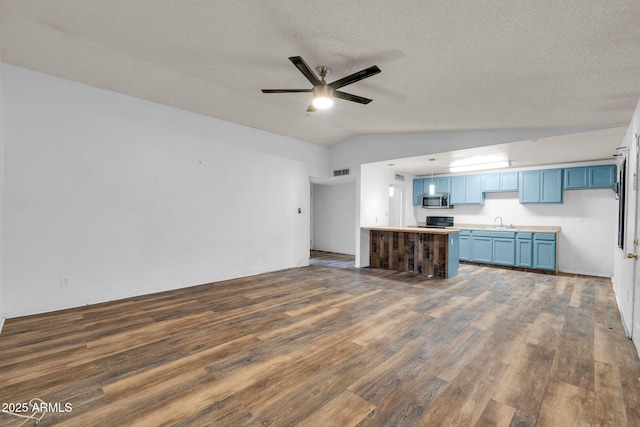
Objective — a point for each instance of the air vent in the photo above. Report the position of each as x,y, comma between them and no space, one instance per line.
399,177
341,172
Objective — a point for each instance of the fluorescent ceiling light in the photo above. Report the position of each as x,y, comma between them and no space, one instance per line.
480,166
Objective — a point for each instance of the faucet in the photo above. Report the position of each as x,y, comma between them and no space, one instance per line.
496,218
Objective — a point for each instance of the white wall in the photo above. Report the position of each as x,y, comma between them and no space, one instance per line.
108,196
624,269
334,215
2,168
588,219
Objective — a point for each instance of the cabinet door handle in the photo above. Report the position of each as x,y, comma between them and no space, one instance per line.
632,256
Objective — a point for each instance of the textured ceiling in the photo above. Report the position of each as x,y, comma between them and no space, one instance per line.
446,65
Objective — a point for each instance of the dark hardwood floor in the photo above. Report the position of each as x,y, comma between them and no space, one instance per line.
332,345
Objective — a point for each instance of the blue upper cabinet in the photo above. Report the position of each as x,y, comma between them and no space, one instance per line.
466,189
421,186
443,184
495,182
541,186
457,196
600,176
417,191
509,181
473,189
491,182
530,187
551,186
603,176
534,186
576,178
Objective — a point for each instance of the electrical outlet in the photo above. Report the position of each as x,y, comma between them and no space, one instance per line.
64,282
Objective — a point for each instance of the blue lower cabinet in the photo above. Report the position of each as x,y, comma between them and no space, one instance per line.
481,249
524,250
504,251
544,251
454,254
465,245
513,249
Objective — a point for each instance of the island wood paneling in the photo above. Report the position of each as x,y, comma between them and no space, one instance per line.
421,253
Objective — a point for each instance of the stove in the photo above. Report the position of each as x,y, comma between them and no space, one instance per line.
439,221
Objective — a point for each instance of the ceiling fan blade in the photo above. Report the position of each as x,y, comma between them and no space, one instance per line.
352,78
304,69
349,97
285,90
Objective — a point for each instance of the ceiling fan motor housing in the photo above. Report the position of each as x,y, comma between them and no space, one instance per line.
323,91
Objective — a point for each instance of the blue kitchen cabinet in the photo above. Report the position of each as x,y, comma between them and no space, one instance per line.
541,186
524,250
544,251
602,176
481,248
491,182
465,245
504,181
504,251
473,189
551,186
421,186
509,248
509,181
417,191
457,196
529,187
454,254
443,184
582,177
466,189
576,178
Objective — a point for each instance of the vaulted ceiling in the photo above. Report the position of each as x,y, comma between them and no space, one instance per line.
446,65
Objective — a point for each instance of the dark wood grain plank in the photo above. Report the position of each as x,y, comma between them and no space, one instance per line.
331,344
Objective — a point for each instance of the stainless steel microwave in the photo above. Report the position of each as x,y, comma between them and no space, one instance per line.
436,201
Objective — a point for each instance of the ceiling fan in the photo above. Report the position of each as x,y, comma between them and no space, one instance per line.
324,93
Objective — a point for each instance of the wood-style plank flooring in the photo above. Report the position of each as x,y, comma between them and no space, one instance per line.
332,345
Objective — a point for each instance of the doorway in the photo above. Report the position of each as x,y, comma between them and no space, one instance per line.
634,215
396,212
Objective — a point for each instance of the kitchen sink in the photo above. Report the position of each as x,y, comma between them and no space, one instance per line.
500,227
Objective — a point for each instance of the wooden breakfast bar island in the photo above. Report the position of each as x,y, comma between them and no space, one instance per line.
433,252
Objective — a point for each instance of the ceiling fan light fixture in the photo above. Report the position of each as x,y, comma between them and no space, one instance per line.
322,97
324,93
